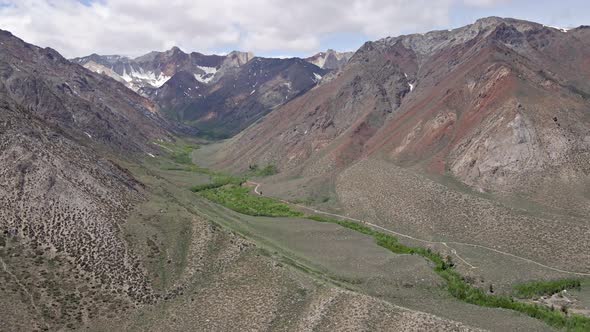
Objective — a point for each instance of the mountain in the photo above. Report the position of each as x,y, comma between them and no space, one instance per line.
238,98
63,197
492,114
76,100
330,60
152,70
472,144
218,95
98,233
502,78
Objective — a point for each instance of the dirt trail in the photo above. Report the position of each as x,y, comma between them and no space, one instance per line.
446,244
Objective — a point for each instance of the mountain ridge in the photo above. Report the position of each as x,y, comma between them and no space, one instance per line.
72,97
153,69
217,95
407,65
498,108
471,144
330,59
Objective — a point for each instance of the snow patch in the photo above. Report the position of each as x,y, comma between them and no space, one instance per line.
557,28
251,93
162,146
208,70
317,77
151,155
87,134
207,76
149,77
411,86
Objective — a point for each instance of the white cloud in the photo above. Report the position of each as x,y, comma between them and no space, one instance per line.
483,3
135,27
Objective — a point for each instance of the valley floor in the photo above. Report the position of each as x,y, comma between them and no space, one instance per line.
239,272
236,272
219,270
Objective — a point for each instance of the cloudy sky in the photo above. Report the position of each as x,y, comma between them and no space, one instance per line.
266,27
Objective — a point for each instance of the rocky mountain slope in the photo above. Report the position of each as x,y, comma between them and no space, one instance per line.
330,60
219,95
83,104
63,198
492,116
500,104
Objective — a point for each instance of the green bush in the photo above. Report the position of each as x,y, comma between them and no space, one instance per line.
240,200
218,181
182,155
268,170
540,288
179,152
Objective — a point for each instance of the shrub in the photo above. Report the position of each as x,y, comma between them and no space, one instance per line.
218,181
268,170
179,153
540,288
183,155
239,199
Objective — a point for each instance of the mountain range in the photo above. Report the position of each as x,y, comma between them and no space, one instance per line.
218,95
498,104
473,143
152,70
495,110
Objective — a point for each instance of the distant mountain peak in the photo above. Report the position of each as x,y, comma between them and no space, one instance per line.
330,59
153,69
174,50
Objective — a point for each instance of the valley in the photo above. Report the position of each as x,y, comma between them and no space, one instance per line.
327,254
433,181
276,270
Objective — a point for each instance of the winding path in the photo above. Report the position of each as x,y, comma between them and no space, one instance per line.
446,244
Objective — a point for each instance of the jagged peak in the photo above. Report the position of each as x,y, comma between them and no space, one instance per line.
425,43
174,49
239,56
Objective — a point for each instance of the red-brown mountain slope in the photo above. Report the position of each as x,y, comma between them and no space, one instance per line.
501,104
